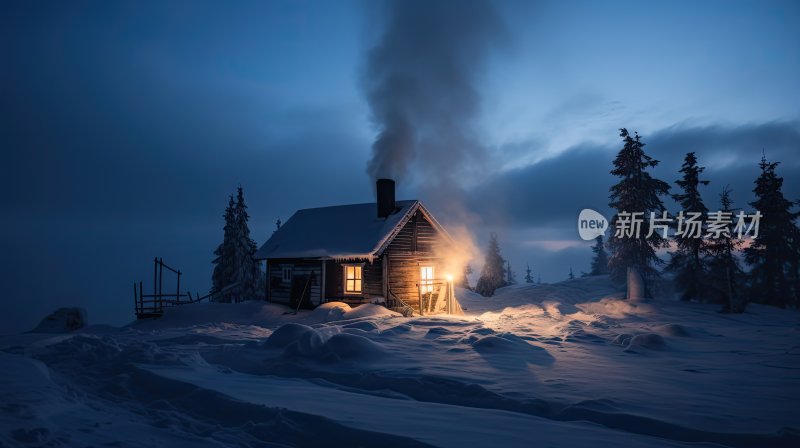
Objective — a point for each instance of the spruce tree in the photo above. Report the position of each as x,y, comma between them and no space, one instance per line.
636,192
687,262
600,258
773,254
528,277
224,271
246,270
725,277
493,273
511,277
571,275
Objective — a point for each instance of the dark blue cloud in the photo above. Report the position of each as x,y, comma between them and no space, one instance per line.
556,189
126,125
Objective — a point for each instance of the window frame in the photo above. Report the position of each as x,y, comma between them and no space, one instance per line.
426,283
286,274
358,276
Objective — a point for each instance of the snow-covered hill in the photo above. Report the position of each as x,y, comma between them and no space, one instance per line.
568,364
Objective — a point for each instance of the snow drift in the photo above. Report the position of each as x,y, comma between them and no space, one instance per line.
569,364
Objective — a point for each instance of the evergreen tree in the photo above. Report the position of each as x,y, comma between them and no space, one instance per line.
636,192
247,270
233,262
464,281
773,254
725,277
571,275
600,258
528,278
224,270
511,277
493,274
687,262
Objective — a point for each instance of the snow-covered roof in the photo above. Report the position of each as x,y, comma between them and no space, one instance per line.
339,232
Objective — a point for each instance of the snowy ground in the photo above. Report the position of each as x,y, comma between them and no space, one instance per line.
552,365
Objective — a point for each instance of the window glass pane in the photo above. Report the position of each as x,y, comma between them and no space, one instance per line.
352,278
426,279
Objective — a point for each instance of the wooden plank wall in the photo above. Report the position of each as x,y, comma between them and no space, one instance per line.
280,291
418,235
412,248
404,276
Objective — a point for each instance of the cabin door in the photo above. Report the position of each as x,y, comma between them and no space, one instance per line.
300,294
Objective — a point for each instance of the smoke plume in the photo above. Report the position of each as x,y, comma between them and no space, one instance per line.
420,81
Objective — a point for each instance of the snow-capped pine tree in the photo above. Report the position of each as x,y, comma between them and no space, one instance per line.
571,275
247,270
600,257
636,191
725,279
493,274
773,254
528,278
224,269
687,262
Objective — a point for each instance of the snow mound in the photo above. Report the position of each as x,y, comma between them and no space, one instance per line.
330,311
507,351
510,344
335,311
435,332
649,341
612,307
364,325
399,329
288,334
346,346
622,339
308,344
673,330
63,320
370,310
301,341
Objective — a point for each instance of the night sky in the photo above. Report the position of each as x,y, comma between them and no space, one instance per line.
126,125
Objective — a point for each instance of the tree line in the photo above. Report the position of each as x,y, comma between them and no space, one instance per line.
707,269
726,269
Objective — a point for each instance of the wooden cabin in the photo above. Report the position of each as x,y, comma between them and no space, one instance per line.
384,252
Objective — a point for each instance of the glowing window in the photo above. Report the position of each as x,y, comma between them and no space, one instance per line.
426,279
352,279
